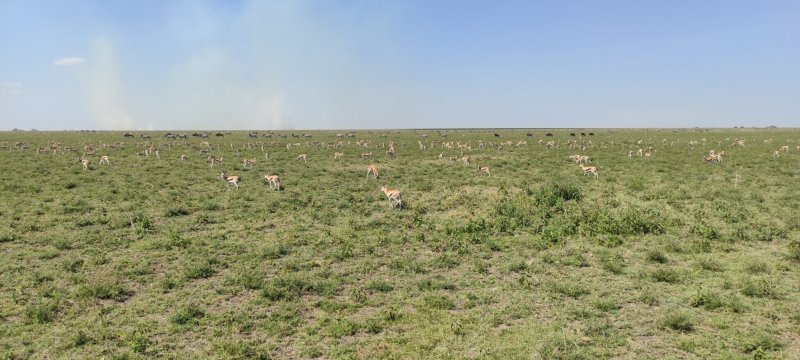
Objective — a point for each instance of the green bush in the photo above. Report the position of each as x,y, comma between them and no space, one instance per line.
679,321
190,315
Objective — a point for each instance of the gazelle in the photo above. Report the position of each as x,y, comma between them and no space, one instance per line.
365,156
484,169
337,155
184,157
104,160
251,162
372,169
589,170
465,159
274,181
303,157
85,163
213,159
776,154
230,179
395,197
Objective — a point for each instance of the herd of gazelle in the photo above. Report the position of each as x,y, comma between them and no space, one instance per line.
394,196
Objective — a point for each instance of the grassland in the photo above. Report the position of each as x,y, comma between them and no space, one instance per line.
661,257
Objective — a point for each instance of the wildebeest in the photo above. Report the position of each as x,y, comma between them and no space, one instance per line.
591,134
169,136
549,134
496,135
571,134
530,135
128,135
219,134
583,134
253,135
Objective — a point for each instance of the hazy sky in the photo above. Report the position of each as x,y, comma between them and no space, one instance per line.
294,64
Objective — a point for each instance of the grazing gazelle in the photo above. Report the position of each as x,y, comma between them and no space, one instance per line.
274,181
394,196
484,169
365,156
251,162
337,155
589,170
184,157
372,169
85,163
303,157
104,160
230,179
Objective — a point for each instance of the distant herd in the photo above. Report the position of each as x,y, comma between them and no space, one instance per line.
394,196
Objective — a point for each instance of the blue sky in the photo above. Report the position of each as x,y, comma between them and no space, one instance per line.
295,64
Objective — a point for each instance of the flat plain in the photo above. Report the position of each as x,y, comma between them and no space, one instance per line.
661,256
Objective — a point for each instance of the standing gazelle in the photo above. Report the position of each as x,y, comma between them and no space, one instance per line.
590,170
303,157
337,155
230,179
104,160
372,169
251,162
85,163
274,181
394,196
484,169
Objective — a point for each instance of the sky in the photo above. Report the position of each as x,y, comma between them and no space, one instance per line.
336,64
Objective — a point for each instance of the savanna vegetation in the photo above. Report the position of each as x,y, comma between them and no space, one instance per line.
661,256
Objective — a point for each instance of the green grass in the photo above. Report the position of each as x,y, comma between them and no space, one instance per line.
151,258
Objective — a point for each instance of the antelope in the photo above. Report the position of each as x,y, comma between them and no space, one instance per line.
104,159
372,169
85,164
441,156
714,157
784,148
776,154
639,152
580,159
390,152
394,196
303,157
337,155
251,162
365,156
630,153
230,180
484,169
589,170
274,181
184,157
465,159
453,158
213,159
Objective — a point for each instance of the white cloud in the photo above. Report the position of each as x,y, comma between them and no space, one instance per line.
68,61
